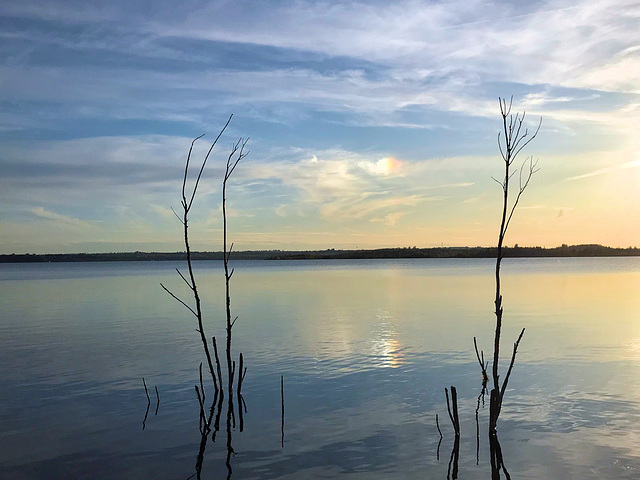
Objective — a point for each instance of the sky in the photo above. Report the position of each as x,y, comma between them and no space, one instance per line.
370,124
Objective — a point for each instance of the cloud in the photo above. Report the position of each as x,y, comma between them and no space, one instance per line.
341,185
41,212
390,219
385,166
605,170
164,212
376,59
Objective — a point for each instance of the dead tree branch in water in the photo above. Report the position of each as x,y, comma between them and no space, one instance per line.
186,203
440,442
282,410
235,156
453,413
511,140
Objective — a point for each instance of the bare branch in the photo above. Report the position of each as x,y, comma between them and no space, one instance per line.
517,149
515,139
228,254
513,359
186,172
523,186
215,352
204,162
446,393
177,216
201,384
185,280
171,293
483,366
497,181
203,417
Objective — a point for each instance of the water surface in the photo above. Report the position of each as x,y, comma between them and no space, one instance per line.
366,348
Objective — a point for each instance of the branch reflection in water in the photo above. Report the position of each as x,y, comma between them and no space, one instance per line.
146,413
497,461
452,469
495,450
211,426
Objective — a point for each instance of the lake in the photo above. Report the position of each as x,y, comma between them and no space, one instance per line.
365,348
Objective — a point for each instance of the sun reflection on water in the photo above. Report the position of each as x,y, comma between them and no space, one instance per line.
385,349
632,349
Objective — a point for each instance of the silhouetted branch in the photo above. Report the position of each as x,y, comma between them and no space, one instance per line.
203,419
514,140
201,385
195,188
453,413
513,359
483,365
146,413
441,437
497,460
187,202
204,435
176,298
145,390
282,405
453,460
218,369
185,280
241,374
235,156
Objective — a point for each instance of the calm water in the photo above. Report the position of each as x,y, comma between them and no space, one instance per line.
366,349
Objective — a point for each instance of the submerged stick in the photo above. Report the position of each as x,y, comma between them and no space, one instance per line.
201,385
218,368
453,416
282,404
441,436
145,390
146,413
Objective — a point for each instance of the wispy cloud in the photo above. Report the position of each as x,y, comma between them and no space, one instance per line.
605,170
41,212
390,219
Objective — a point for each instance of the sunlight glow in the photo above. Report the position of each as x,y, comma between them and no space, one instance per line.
386,347
384,166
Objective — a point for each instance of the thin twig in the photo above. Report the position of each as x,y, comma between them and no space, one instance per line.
282,404
145,390
176,298
513,359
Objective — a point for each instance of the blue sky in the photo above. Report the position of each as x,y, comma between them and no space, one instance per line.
372,124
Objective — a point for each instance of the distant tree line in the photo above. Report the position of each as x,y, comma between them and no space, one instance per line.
589,250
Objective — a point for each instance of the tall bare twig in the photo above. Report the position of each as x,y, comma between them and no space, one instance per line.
282,410
186,203
511,140
235,156
453,409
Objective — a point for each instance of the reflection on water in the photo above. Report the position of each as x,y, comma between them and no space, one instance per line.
497,460
386,349
365,348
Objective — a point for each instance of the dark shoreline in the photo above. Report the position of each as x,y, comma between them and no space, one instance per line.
381,253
